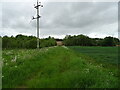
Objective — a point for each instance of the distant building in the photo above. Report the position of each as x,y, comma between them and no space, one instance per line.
59,42
117,45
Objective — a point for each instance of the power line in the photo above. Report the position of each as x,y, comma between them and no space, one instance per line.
38,16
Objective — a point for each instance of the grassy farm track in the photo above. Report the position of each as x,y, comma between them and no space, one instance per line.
55,67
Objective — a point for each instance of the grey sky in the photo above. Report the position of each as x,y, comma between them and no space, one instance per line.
95,19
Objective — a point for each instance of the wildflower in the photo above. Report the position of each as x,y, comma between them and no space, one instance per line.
14,60
98,66
15,66
111,73
6,64
2,76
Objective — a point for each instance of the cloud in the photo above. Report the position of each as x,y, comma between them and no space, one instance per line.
62,18
80,18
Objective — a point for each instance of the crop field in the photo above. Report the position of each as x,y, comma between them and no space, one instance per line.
60,67
100,54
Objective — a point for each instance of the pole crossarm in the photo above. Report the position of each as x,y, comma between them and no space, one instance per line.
37,7
38,16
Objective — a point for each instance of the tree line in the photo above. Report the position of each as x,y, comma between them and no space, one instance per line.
26,42
30,42
83,40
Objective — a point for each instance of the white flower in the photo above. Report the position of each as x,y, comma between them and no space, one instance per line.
98,66
111,73
6,64
14,60
15,66
2,76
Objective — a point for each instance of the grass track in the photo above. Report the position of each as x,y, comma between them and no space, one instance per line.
56,67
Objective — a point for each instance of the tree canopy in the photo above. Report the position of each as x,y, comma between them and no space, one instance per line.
26,42
30,42
83,40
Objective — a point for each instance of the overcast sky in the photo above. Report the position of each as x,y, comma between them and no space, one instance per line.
95,19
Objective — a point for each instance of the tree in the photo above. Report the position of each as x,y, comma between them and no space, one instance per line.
108,41
31,44
80,40
22,41
117,41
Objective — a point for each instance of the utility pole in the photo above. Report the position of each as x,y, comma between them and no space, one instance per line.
38,16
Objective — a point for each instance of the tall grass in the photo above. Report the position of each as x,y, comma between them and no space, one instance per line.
56,67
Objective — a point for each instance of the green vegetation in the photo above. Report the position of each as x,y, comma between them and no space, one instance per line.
100,54
26,42
83,40
30,42
55,67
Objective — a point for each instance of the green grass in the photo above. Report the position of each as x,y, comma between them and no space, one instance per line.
100,54
56,67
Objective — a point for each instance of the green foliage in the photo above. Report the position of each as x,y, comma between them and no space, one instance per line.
25,42
55,67
108,41
82,40
29,42
47,42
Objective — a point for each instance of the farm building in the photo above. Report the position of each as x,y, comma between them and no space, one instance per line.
59,42
118,45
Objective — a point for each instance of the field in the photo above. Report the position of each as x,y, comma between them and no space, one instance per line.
60,67
101,54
